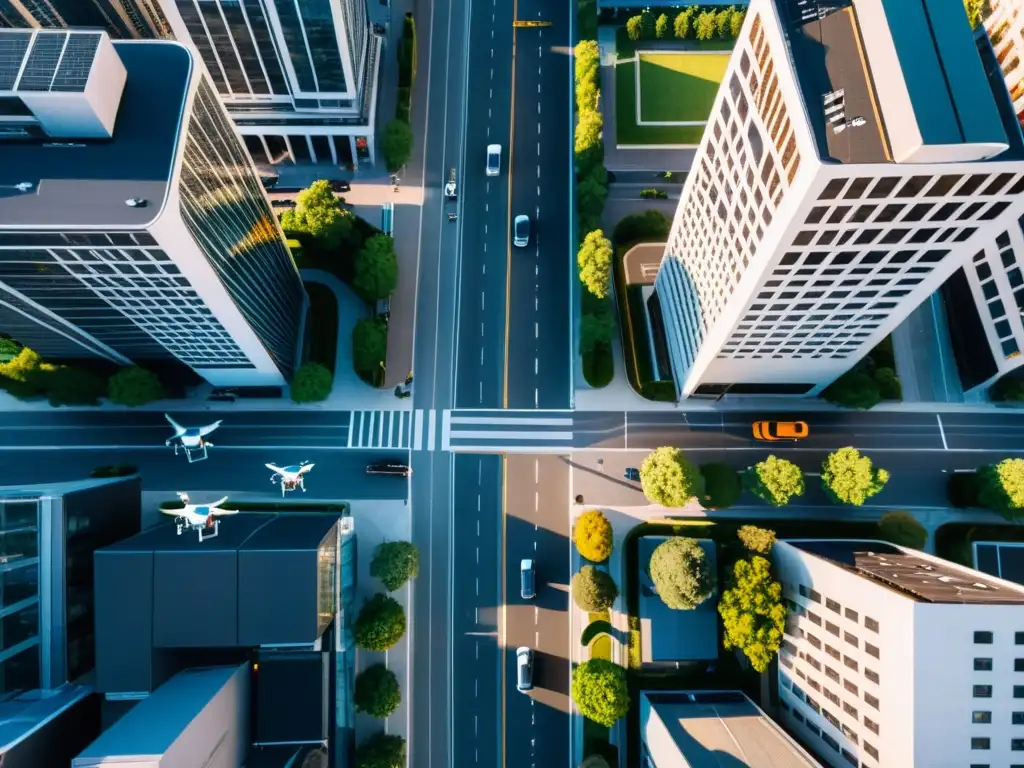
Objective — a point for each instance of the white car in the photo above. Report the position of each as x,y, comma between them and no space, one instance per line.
493,159
524,669
521,231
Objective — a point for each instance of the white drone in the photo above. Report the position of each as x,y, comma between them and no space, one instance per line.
199,517
290,477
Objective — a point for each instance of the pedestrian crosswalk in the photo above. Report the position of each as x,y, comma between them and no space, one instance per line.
466,431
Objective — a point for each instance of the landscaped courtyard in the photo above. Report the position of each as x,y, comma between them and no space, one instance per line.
672,87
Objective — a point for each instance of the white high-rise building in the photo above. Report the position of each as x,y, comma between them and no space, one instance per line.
893,657
299,77
858,153
133,226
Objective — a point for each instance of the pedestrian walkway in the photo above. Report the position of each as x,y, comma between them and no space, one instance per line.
507,431
380,429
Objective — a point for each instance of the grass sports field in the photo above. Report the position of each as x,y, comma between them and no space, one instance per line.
679,86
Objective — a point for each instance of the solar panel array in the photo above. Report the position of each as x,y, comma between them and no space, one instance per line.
52,61
13,46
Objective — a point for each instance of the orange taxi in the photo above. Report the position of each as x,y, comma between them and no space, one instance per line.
773,431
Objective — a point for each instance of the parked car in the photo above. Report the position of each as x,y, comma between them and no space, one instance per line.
773,431
339,185
521,231
527,580
524,669
283,203
632,473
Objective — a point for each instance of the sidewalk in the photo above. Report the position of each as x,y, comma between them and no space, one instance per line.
924,358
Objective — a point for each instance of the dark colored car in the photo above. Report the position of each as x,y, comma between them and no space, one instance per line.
283,203
632,473
389,468
339,185
527,579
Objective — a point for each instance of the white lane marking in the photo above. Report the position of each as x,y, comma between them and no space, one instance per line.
481,355
481,393
536,364
466,435
536,330
942,432
481,301
511,420
536,501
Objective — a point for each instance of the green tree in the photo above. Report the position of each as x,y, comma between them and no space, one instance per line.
66,385
681,25
591,193
721,486
595,331
723,22
854,389
736,22
667,478
592,534
1001,486
593,589
312,383
588,131
888,382
682,573
380,623
661,27
595,263
600,692
775,480
587,74
757,540
635,27
902,528
319,214
369,345
377,692
977,10
24,374
850,478
9,347
753,616
394,563
396,144
382,750
376,269
134,386
706,25
648,227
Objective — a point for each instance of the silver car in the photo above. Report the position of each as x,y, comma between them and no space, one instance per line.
521,231
493,159
524,669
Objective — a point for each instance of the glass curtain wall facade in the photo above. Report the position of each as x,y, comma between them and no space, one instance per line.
227,214
19,596
122,19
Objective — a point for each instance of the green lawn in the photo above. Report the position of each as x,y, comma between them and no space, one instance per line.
626,129
679,86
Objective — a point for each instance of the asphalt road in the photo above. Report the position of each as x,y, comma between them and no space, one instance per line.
540,359
536,525
484,210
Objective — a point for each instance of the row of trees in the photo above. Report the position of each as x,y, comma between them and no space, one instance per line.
998,487
692,21
27,375
670,479
594,257
396,140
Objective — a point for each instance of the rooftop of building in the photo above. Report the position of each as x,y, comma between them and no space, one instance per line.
940,88
710,729
919,577
85,185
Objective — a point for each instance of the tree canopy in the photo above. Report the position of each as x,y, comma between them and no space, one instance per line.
134,386
593,589
369,345
380,623
377,691
382,750
396,144
775,480
854,389
1001,486
648,227
706,25
661,26
682,573
596,330
681,24
319,214
394,563
667,478
758,540
67,385
599,690
850,478
592,535
376,269
312,383
595,263
902,528
753,616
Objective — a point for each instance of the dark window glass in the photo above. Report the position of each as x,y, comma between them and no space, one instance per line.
889,213
942,186
983,665
862,213
970,186
291,30
994,210
856,189
983,638
981,717
913,186
982,691
867,236
816,214
944,212
997,184
804,237
883,187
832,189
980,742
1018,691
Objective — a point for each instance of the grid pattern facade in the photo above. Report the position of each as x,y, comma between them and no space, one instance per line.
1005,27
118,289
120,18
997,282
862,248
829,684
228,216
746,163
20,660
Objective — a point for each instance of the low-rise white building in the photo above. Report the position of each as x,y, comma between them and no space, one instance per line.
893,657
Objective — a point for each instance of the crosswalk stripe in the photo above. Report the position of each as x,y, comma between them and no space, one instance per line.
418,441
446,430
431,429
401,429
511,420
478,435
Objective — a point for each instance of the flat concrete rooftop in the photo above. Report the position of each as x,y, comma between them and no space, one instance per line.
86,185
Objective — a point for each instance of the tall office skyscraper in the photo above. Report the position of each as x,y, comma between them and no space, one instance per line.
856,155
299,77
133,226
120,18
